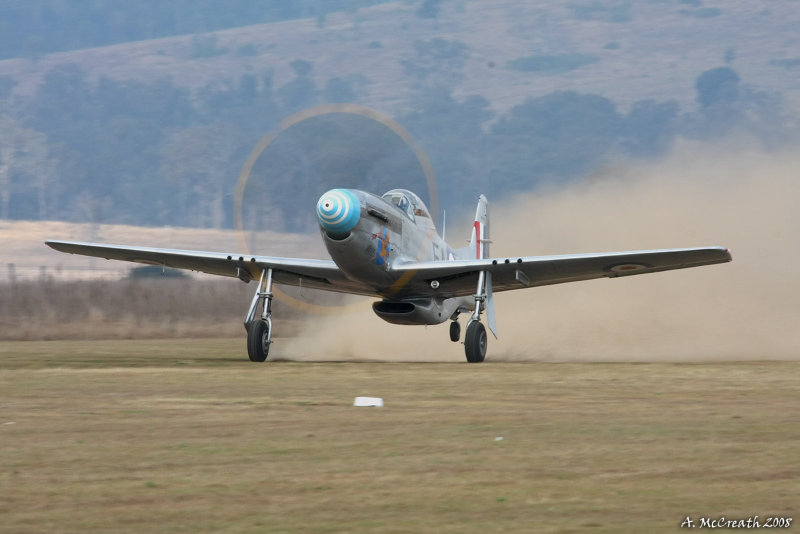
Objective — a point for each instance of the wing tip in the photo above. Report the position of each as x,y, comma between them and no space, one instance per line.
61,246
728,254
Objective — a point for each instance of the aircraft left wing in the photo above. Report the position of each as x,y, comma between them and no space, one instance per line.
459,277
318,274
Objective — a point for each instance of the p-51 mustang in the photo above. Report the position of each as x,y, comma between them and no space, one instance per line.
388,247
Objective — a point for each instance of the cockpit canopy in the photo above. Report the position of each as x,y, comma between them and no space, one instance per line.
407,202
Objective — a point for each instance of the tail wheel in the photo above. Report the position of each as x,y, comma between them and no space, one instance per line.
475,342
455,331
258,341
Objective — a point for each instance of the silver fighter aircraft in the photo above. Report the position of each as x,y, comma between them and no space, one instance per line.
387,247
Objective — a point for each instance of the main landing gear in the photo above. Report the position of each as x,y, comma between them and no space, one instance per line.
475,342
259,331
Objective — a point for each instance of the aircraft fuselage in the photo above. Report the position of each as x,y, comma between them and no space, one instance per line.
366,235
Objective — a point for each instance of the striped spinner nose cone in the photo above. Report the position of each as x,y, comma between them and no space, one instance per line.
338,211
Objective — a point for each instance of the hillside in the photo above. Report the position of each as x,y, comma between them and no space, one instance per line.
503,97
643,50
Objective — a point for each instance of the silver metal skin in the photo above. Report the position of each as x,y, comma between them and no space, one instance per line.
251,312
263,297
480,295
393,230
387,247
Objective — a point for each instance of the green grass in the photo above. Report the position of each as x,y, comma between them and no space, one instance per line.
188,436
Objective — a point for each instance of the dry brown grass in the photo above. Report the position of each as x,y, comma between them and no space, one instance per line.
76,297
133,309
186,436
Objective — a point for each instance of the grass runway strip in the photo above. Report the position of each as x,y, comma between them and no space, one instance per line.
189,436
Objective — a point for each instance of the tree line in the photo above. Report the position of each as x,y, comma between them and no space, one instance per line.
152,153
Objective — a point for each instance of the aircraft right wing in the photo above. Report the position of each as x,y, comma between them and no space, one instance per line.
459,277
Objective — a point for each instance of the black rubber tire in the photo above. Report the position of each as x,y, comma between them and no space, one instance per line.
257,346
455,331
475,342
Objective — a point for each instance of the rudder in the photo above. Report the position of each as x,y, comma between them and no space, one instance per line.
479,242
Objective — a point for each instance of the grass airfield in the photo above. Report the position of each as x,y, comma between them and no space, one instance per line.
189,436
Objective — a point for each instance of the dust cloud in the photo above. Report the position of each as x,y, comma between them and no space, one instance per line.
701,195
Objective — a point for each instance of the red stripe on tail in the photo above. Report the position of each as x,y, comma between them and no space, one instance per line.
478,240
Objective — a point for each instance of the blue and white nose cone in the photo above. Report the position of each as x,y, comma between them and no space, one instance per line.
338,211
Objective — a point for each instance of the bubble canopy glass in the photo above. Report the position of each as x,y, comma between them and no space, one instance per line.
407,202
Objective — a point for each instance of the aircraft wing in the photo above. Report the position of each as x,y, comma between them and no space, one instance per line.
459,277
318,274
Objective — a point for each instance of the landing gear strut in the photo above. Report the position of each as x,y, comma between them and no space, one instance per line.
475,342
259,331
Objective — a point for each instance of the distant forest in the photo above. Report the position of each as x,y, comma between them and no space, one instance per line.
151,153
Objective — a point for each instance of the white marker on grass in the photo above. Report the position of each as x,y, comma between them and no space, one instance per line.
369,401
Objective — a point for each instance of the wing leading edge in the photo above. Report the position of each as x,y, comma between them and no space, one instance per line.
318,274
459,278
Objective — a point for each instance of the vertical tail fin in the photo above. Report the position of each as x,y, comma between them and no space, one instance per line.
478,247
